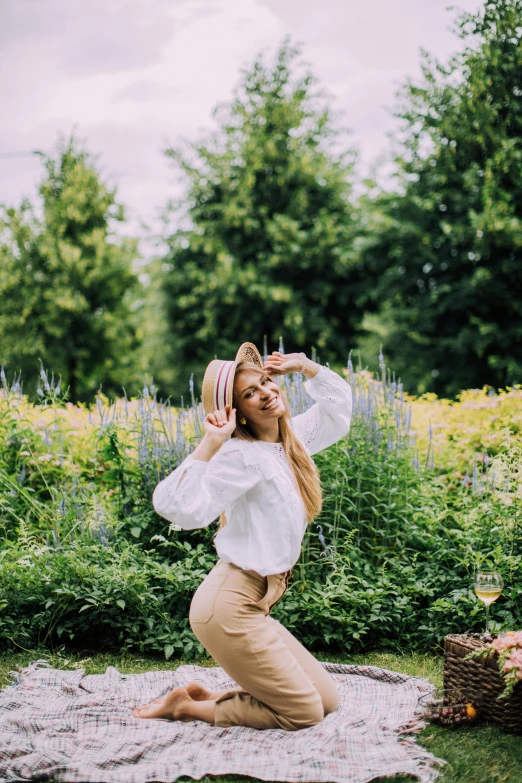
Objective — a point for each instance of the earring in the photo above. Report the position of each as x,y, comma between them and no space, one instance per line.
242,421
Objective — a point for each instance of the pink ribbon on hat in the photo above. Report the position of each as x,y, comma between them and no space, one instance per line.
221,386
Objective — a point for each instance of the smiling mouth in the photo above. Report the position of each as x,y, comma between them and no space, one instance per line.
270,405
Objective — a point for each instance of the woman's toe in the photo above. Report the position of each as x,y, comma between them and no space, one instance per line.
154,709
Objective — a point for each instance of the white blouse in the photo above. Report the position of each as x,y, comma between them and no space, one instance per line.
252,482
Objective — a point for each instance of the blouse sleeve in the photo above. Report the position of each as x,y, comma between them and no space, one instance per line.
328,420
208,489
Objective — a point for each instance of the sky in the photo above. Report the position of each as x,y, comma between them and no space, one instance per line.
132,77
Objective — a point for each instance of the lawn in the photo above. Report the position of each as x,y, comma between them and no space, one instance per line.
480,754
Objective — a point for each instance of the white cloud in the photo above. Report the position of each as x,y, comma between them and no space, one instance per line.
145,91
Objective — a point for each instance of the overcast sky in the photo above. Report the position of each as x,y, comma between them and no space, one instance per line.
133,76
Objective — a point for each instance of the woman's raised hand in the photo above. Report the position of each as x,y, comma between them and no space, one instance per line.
221,423
283,363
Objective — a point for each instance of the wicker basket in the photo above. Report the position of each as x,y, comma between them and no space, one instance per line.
483,676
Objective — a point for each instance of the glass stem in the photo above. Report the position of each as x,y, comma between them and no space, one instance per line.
487,617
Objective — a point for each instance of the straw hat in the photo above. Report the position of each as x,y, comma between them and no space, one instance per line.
218,381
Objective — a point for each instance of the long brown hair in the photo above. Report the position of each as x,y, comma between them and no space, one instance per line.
303,467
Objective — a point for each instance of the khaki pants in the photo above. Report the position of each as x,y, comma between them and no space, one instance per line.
281,684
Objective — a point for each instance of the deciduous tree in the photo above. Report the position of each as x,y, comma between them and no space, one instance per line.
446,247
265,237
66,282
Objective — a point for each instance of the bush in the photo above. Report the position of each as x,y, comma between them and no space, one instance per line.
99,597
388,563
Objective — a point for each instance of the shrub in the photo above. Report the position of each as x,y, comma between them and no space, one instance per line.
99,597
388,563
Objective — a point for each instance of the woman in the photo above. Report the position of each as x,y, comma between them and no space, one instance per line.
253,468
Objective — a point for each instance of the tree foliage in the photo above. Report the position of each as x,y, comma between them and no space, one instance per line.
66,282
446,248
265,238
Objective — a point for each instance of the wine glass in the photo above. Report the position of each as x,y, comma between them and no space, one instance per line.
488,587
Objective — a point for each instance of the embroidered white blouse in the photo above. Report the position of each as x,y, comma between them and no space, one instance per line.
252,482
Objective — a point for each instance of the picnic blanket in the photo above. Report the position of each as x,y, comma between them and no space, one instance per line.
68,727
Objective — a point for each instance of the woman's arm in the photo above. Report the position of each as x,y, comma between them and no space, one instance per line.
283,363
328,420
310,368
208,481
218,426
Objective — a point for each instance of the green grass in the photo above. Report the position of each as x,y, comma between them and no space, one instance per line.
480,754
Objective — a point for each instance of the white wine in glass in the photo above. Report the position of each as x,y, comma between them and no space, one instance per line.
488,587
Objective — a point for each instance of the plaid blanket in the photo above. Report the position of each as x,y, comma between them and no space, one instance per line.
67,727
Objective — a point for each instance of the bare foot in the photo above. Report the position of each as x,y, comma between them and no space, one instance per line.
173,706
199,693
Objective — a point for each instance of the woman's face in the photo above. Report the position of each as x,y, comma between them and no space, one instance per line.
258,397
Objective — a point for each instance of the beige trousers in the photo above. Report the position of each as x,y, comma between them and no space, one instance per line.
281,684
